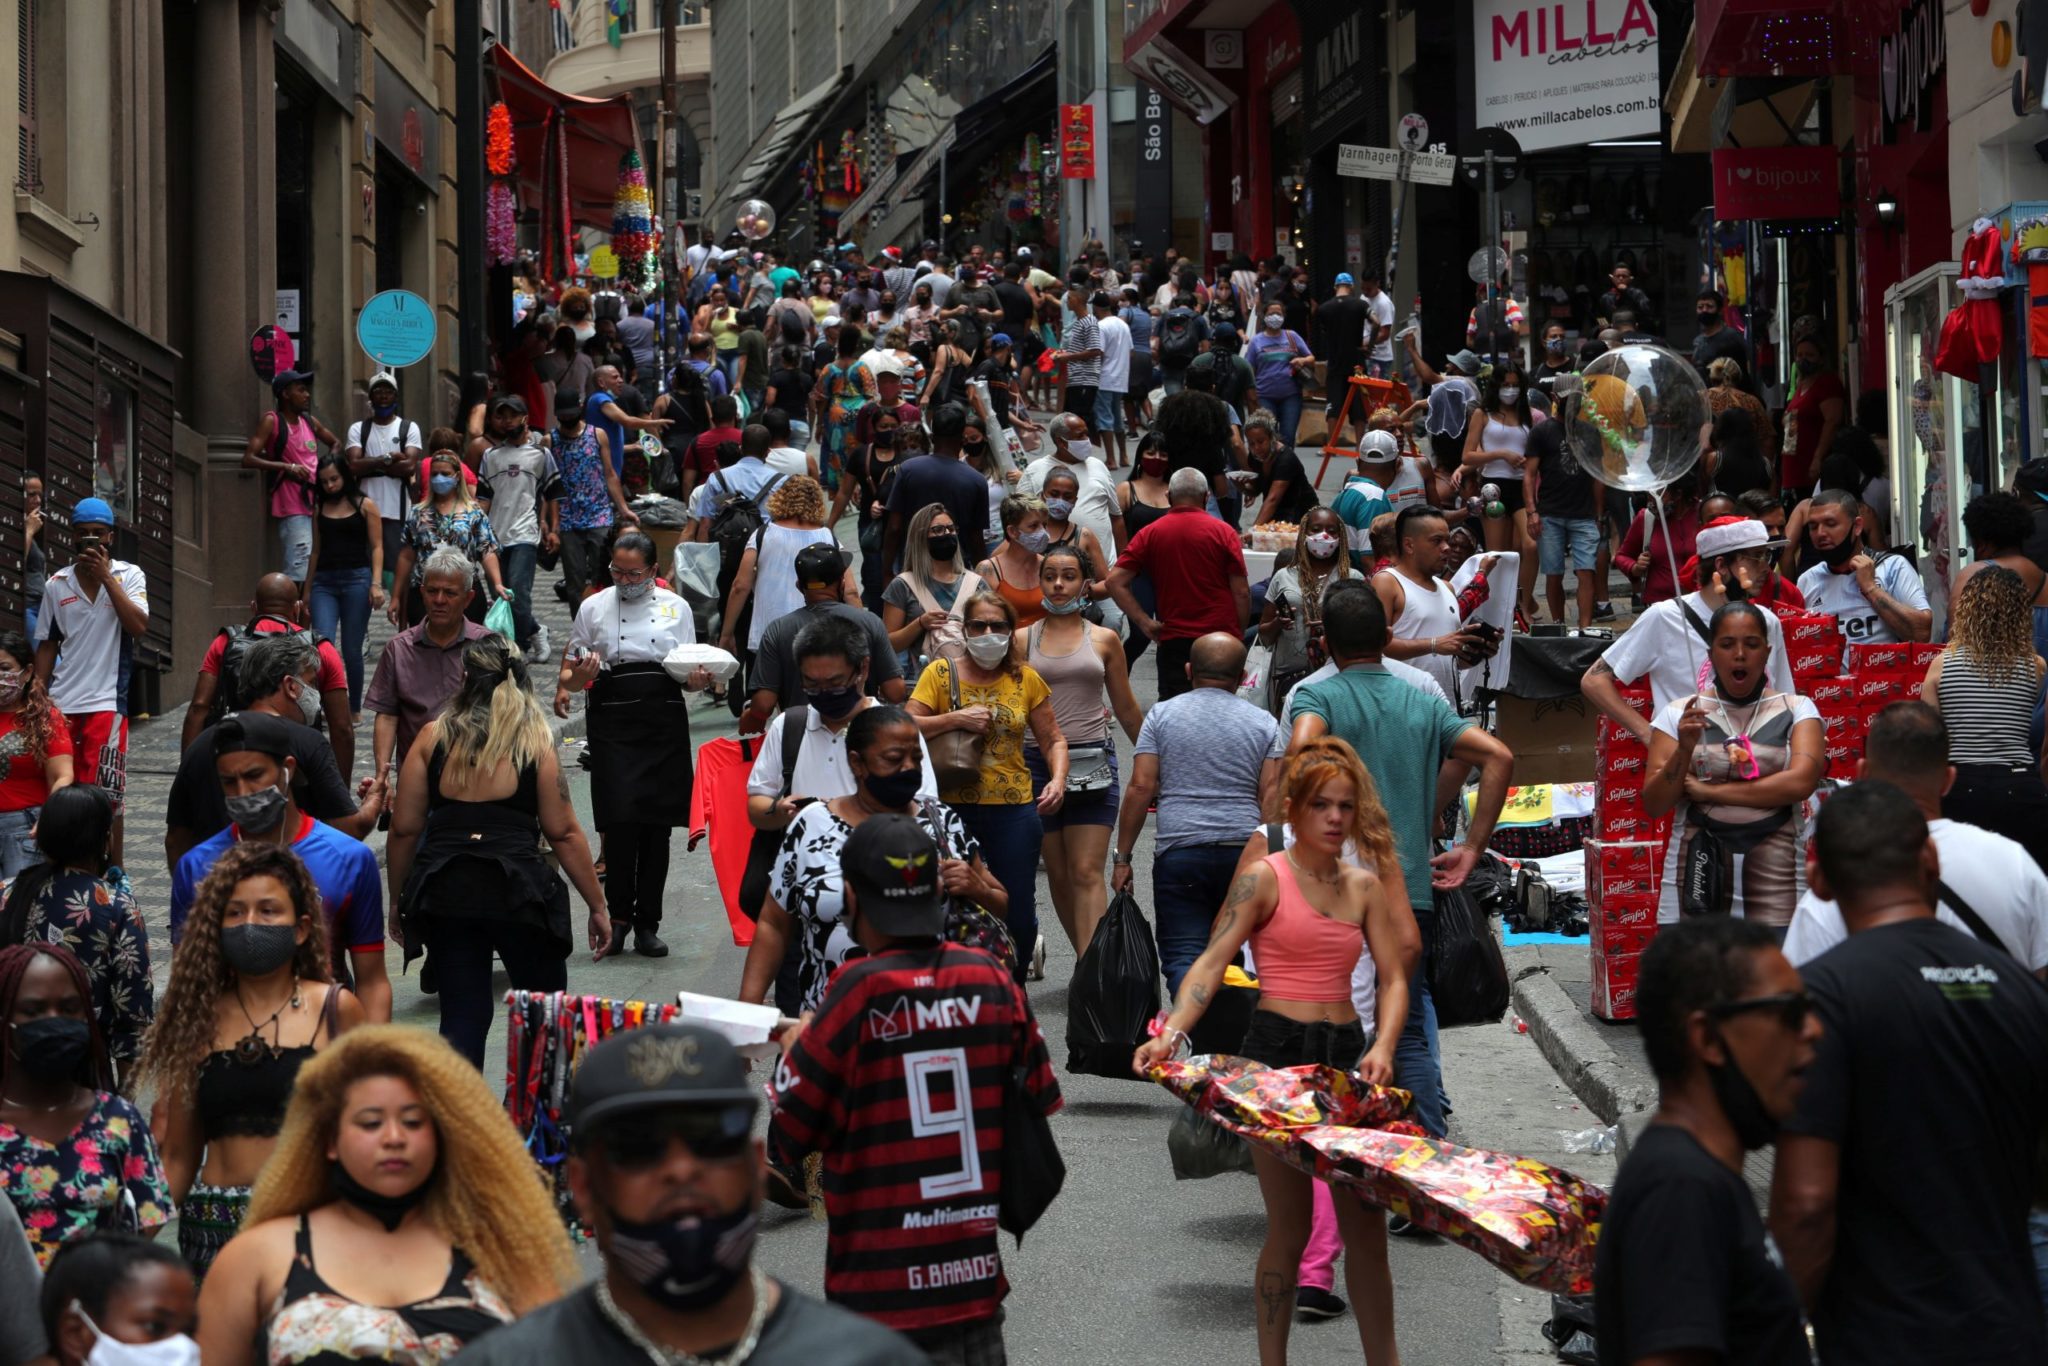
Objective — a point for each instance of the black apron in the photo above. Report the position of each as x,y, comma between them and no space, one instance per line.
640,755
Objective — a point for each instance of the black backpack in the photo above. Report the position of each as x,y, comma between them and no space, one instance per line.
738,518
227,695
1178,337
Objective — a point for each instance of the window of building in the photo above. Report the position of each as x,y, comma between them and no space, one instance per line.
28,164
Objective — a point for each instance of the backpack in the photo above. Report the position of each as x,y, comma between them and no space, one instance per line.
738,518
1178,340
227,694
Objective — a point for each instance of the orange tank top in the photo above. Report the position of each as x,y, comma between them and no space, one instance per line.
1027,600
1302,954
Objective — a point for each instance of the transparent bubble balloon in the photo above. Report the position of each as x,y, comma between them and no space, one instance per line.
756,219
1633,416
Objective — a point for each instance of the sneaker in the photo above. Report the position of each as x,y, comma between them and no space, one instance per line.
542,646
1603,611
562,590
1037,973
1312,1302
648,944
1399,1227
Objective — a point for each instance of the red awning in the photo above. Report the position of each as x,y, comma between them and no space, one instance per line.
599,132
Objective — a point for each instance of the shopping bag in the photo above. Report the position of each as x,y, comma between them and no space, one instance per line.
1200,1149
1468,978
1114,993
1258,666
1033,1170
499,619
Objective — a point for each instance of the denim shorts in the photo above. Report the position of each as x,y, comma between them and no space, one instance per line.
1277,1041
1079,808
1581,535
295,539
18,849
1109,411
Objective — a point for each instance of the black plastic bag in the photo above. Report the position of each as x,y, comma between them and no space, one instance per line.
1468,978
1201,1149
1222,1026
1114,994
1033,1170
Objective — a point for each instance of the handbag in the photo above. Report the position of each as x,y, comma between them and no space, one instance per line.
1706,862
1090,773
956,754
969,922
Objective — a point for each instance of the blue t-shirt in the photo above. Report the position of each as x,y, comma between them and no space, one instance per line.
614,432
344,872
1403,735
1212,746
1272,356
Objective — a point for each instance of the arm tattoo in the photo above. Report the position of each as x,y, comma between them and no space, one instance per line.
1225,920
1199,994
1242,890
561,782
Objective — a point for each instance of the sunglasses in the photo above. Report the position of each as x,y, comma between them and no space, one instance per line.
1791,1008
984,628
638,1142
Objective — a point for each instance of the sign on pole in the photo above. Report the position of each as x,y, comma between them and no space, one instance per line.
1386,163
1413,135
396,328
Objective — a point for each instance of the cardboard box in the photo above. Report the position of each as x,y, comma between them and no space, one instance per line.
1815,661
1617,868
1554,741
1822,691
1808,627
1617,911
1614,986
1638,696
1631,822
1623,941
1870,658
1921,655
1611,732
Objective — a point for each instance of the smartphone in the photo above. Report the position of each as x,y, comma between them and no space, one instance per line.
89,543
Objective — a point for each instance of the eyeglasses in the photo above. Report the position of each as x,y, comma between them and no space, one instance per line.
984,628
629,575
637,1142
1791,1008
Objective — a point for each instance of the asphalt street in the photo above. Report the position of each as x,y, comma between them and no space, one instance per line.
1128,1265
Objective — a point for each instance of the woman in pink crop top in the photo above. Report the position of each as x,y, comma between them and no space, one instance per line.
1309,915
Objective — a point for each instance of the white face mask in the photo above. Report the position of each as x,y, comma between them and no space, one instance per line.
1510,395
172,1351
990,650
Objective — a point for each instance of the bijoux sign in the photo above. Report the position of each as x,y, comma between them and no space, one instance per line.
1777,182
1910,60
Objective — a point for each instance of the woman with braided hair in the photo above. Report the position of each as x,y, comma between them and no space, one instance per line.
74,1156
250,999
481,785
399,1219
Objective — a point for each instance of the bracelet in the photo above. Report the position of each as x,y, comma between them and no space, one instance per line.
1119,860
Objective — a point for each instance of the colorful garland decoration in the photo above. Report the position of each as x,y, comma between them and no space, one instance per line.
501,225
498,140
632,219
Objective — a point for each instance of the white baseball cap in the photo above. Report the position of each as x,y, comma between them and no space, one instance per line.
381,377
1378,448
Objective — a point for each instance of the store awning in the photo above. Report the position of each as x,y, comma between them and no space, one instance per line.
783,135
1028,95
599,133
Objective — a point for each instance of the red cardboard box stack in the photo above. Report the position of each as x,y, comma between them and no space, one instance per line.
1621,897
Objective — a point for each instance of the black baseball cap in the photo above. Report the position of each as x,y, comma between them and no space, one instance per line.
659,1067
285,379
253,732
820,563
892,865
512,401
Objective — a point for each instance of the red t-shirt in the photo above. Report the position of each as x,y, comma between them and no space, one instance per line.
900,1082
1191,558
22,783
1803,466
703,456
332,674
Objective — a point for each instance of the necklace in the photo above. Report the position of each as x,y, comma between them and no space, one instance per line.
669,1356
252,1047
41,1109
1328,879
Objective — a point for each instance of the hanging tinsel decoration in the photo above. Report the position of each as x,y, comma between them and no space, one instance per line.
632,218
498,140
501,226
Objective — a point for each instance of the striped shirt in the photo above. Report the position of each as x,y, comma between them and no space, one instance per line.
1988,722
1083,334
900,1082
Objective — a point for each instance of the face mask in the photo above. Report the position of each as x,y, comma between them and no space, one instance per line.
688,1262
51,1046
1059,509
383,411
172,1351
633,592
1322,545
1510,395
388,1210
258,950
1062,609
1708,315
975,450
1035,541
309,704
1273,321
257,812
989,650
13,684
1554,345
885,441
835,703
1154,466
1807,368
1753,1124
943,548
895,790
1841,554
442,483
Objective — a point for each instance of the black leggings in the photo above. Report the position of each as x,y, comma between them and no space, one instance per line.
635,871
462,953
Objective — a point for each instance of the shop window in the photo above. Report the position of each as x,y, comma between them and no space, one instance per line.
113,462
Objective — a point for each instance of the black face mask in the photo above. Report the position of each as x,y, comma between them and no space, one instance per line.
688,1262
388,1210
50,1047
1837,556
943,548
1753,1124
975,449
895,790
834,703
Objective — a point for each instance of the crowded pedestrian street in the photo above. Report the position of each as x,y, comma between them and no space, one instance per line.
821,683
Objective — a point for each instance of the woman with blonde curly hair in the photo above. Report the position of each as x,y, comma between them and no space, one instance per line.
1310,909
250,999
397,1181
766,581
1987,684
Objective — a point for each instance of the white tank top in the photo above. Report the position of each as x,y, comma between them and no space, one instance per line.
1408,485
1503,436
1430,610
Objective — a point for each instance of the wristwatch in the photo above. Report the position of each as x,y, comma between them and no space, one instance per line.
1119,859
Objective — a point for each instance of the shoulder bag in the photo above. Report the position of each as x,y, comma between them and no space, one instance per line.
956,754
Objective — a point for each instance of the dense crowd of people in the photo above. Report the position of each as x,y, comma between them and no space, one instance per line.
1048,477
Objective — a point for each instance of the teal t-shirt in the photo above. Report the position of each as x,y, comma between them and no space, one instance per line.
1403,735
1357,504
